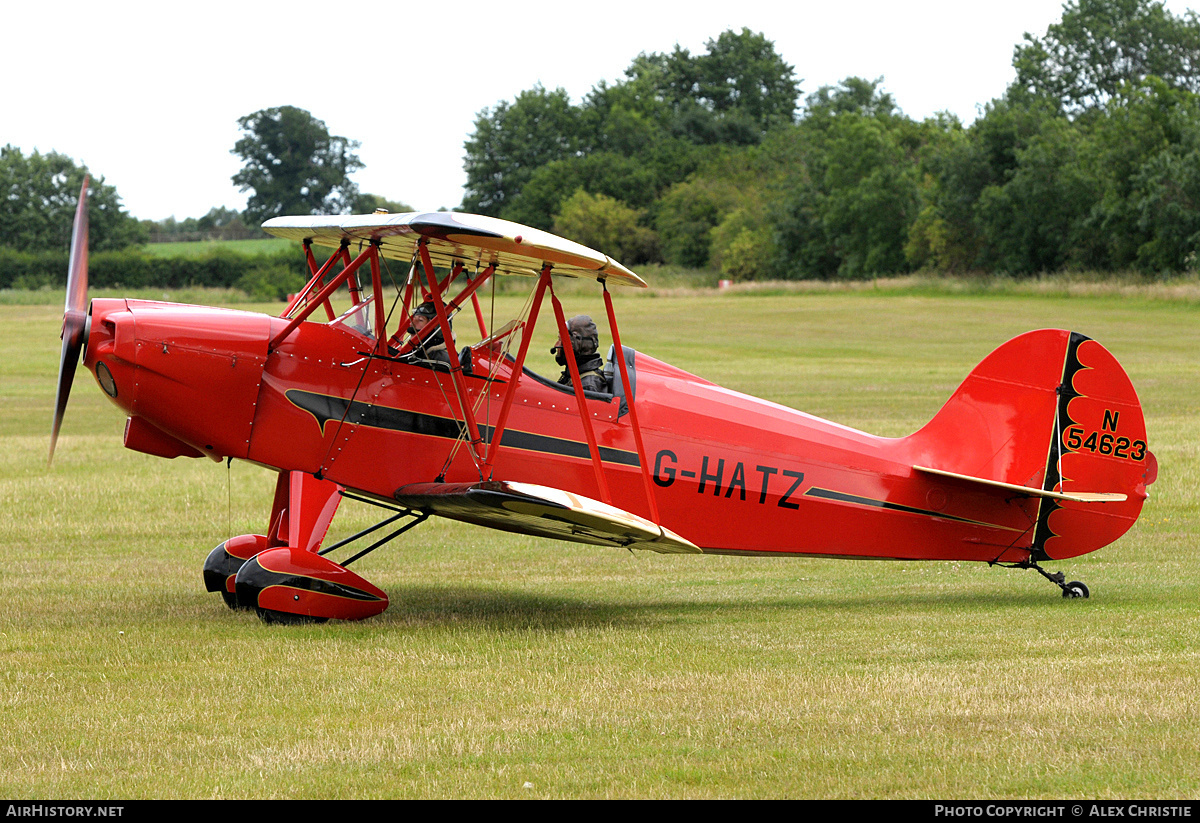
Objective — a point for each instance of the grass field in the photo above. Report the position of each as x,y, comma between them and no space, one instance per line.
520,668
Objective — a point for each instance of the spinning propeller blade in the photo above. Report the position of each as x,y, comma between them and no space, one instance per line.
74,330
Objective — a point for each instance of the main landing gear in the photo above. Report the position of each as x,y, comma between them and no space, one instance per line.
291,585
285,576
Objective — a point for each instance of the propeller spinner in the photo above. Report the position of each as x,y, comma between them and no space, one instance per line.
75,315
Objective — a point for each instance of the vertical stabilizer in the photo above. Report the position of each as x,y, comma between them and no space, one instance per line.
1050,411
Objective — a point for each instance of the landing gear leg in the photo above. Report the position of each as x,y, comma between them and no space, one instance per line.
1071,590
291,585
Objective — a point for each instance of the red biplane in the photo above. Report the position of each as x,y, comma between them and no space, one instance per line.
1040,455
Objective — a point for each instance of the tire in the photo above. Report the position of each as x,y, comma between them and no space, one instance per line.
272,617
1075,589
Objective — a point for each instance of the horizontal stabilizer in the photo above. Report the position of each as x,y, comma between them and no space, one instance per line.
1078,497
542,511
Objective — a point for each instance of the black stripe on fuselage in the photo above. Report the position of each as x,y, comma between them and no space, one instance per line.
325,408
842,497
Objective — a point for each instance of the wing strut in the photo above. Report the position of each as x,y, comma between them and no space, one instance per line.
483,329
456,376
410,290
619,356
577,384
323,296
454,305
518,366
316,275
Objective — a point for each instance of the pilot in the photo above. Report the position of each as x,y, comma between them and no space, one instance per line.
585,341
433,347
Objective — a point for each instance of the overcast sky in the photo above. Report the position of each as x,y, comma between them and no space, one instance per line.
148,94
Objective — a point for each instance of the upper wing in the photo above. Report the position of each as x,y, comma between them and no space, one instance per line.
458,236
542,511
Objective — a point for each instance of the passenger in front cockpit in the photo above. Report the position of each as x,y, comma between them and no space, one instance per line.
433,347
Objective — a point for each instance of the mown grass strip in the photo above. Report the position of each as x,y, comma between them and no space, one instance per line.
589,672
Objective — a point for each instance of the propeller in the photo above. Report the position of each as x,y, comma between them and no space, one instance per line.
75,316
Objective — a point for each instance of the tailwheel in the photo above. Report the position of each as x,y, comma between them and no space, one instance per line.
1075,589
1071,591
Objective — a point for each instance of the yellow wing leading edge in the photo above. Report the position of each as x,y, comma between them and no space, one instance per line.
453,237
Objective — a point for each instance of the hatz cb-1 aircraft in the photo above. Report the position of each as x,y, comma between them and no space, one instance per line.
1040,455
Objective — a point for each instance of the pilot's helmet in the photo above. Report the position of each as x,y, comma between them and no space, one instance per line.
585,339
427,311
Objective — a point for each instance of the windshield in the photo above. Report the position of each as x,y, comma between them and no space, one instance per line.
359,318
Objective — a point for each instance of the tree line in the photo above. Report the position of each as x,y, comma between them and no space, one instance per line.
291,165
1089,160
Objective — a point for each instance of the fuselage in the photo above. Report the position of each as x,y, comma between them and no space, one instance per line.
731,473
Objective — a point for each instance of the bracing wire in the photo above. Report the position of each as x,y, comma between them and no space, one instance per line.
228,497
368,361
493,370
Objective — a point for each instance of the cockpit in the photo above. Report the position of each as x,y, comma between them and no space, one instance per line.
362,315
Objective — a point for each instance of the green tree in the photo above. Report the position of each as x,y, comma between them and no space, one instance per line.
626,118
219,223
1027,189
621,178
854,95
734,93
730,195
226,224
852,196
688,212
872,196
664,115
1099,44
1032,220
293,165
944,236
956,166
513,140
607,225
38,196
743,246
1169,205
743,73
1144,155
